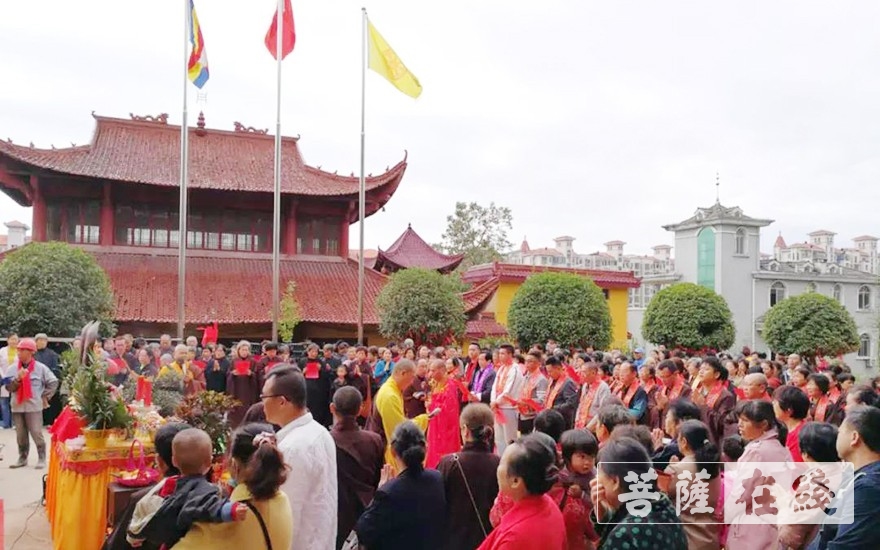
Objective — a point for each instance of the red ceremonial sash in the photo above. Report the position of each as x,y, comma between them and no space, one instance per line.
586,404
714,394
673,392
821,406
630,392
25,392
554,391
501,379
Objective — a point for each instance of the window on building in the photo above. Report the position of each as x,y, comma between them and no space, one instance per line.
740,241
158,226
865,345
837,293
317,236
864,297
811,287
74,222
706,258
650,290
777,293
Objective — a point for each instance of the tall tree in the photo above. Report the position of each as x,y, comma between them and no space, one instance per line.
810,324
479,232
423,305
53,288
689,316
564,307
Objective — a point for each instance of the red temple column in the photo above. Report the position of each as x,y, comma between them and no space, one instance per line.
344,231
288,241
106,235
38,220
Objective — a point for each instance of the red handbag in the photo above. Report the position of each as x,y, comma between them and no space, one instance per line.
143,474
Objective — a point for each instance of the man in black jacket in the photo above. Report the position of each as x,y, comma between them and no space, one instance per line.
51,359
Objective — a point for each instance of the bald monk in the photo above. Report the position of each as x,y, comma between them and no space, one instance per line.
359,458
388,406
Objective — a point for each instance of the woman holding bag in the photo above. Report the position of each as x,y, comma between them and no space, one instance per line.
470,480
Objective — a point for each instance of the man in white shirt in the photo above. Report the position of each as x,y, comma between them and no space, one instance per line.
310,453
505,393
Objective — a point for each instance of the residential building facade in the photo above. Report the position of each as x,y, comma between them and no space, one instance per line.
719,247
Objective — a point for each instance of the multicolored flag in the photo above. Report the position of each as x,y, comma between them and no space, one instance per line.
197,67
384,61
288,38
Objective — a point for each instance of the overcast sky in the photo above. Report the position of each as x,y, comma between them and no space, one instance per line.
601,120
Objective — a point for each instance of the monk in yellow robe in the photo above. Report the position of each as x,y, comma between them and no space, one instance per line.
193,376
388,405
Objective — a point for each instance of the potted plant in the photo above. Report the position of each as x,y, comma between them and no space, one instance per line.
99,403
207,411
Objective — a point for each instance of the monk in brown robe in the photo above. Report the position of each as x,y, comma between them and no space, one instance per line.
242,382
360,455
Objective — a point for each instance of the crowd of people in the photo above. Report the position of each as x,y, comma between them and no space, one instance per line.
417,447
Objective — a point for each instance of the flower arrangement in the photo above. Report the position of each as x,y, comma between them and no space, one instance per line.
207,411
100,404
146,420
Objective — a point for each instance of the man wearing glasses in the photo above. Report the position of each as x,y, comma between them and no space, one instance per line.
310,453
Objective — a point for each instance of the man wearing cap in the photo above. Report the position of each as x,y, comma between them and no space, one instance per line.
31,385
48,357
638,358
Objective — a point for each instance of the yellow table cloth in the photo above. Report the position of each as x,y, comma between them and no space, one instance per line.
76,492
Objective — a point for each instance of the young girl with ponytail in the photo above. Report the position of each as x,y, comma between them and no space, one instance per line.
700,456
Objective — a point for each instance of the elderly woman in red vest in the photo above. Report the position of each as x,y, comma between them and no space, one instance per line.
526,473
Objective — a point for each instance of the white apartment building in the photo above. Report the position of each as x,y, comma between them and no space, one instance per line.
719,247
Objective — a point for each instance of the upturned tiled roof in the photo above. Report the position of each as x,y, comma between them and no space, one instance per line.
516,272
479,294
410,250
235,289
148,152
484,326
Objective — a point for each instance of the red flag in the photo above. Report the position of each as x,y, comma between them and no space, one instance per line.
289,38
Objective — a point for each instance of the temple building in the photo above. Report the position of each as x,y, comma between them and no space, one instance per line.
410,250
117,198
495,284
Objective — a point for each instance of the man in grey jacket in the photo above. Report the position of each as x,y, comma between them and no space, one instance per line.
31,385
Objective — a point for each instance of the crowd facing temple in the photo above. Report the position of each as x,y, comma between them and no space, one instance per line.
409,447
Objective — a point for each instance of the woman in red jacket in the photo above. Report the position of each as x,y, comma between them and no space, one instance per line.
526,472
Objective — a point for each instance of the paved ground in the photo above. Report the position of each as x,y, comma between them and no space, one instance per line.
25,526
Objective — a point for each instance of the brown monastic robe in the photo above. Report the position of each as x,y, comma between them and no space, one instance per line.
360,455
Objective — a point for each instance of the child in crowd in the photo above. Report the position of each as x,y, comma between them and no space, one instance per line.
340,381
166,513
579,450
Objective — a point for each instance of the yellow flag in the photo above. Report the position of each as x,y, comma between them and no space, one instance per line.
384,61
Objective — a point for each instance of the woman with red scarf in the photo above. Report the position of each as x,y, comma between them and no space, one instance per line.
822,407
31,385
714,400
652,386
